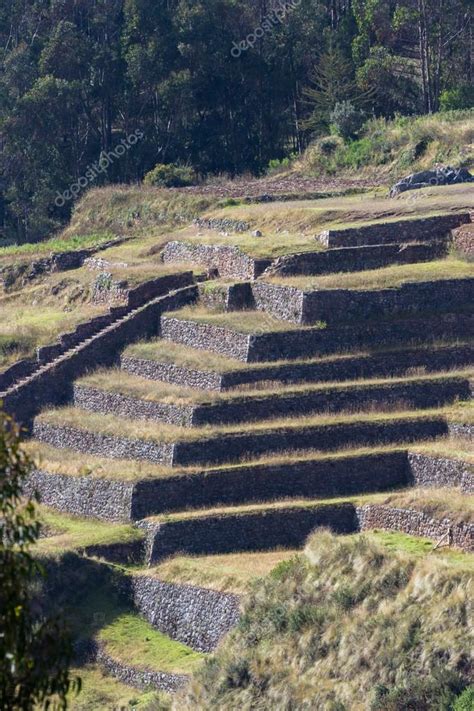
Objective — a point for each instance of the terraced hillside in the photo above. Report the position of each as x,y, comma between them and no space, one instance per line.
197,439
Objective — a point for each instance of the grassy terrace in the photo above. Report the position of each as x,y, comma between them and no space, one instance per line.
434,502
100,691
71,463
118,381
243,321
385,278
162,433
163,351
62,533
451,448
133,641
28,252
230,573
291,226
235,572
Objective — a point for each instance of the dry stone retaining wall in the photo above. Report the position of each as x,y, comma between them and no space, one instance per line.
170,373
409,394
351,259
287,528
336,305
206,337
417,230
140,679
103,445
194,616
416,523
229,261
84,495
95,400
440,471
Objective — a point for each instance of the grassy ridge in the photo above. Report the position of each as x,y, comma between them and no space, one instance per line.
349,626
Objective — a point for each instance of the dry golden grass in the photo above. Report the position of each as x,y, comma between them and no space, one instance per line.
115,380
246,322
227,573
336,625
162,433
163,351
439,503
386,278
450,447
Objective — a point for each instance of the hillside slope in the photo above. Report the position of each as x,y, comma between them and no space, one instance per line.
346,626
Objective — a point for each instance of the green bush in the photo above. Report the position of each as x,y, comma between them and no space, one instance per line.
169,175
346,119
465,702
460,97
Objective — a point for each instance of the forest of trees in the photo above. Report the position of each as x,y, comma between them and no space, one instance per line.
219,85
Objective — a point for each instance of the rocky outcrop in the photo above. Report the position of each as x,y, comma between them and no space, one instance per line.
444,175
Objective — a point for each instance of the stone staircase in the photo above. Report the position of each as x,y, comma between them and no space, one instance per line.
237,431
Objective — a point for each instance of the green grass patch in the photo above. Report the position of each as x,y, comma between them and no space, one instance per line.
63,533
132,640
56,244
104,692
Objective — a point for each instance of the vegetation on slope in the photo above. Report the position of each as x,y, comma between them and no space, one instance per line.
347,626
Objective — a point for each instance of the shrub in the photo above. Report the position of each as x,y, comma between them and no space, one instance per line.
460,97
346,119
169,175
465,702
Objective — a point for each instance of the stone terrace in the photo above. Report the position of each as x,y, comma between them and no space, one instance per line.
239,423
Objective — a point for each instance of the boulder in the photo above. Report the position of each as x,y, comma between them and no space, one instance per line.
443,175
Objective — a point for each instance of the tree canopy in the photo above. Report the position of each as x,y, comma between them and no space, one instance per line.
80,77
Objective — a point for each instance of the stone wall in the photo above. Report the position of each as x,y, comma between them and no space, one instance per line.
400,362
226,297
229,261
204,336
223,224
170,373
112,500
138,678
415,230
52,385
103,499
351,259
277,528
416,394
306,343
102,445
464,430
339,305
227,448
194,616
436,471
311,342
95,400
416,523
